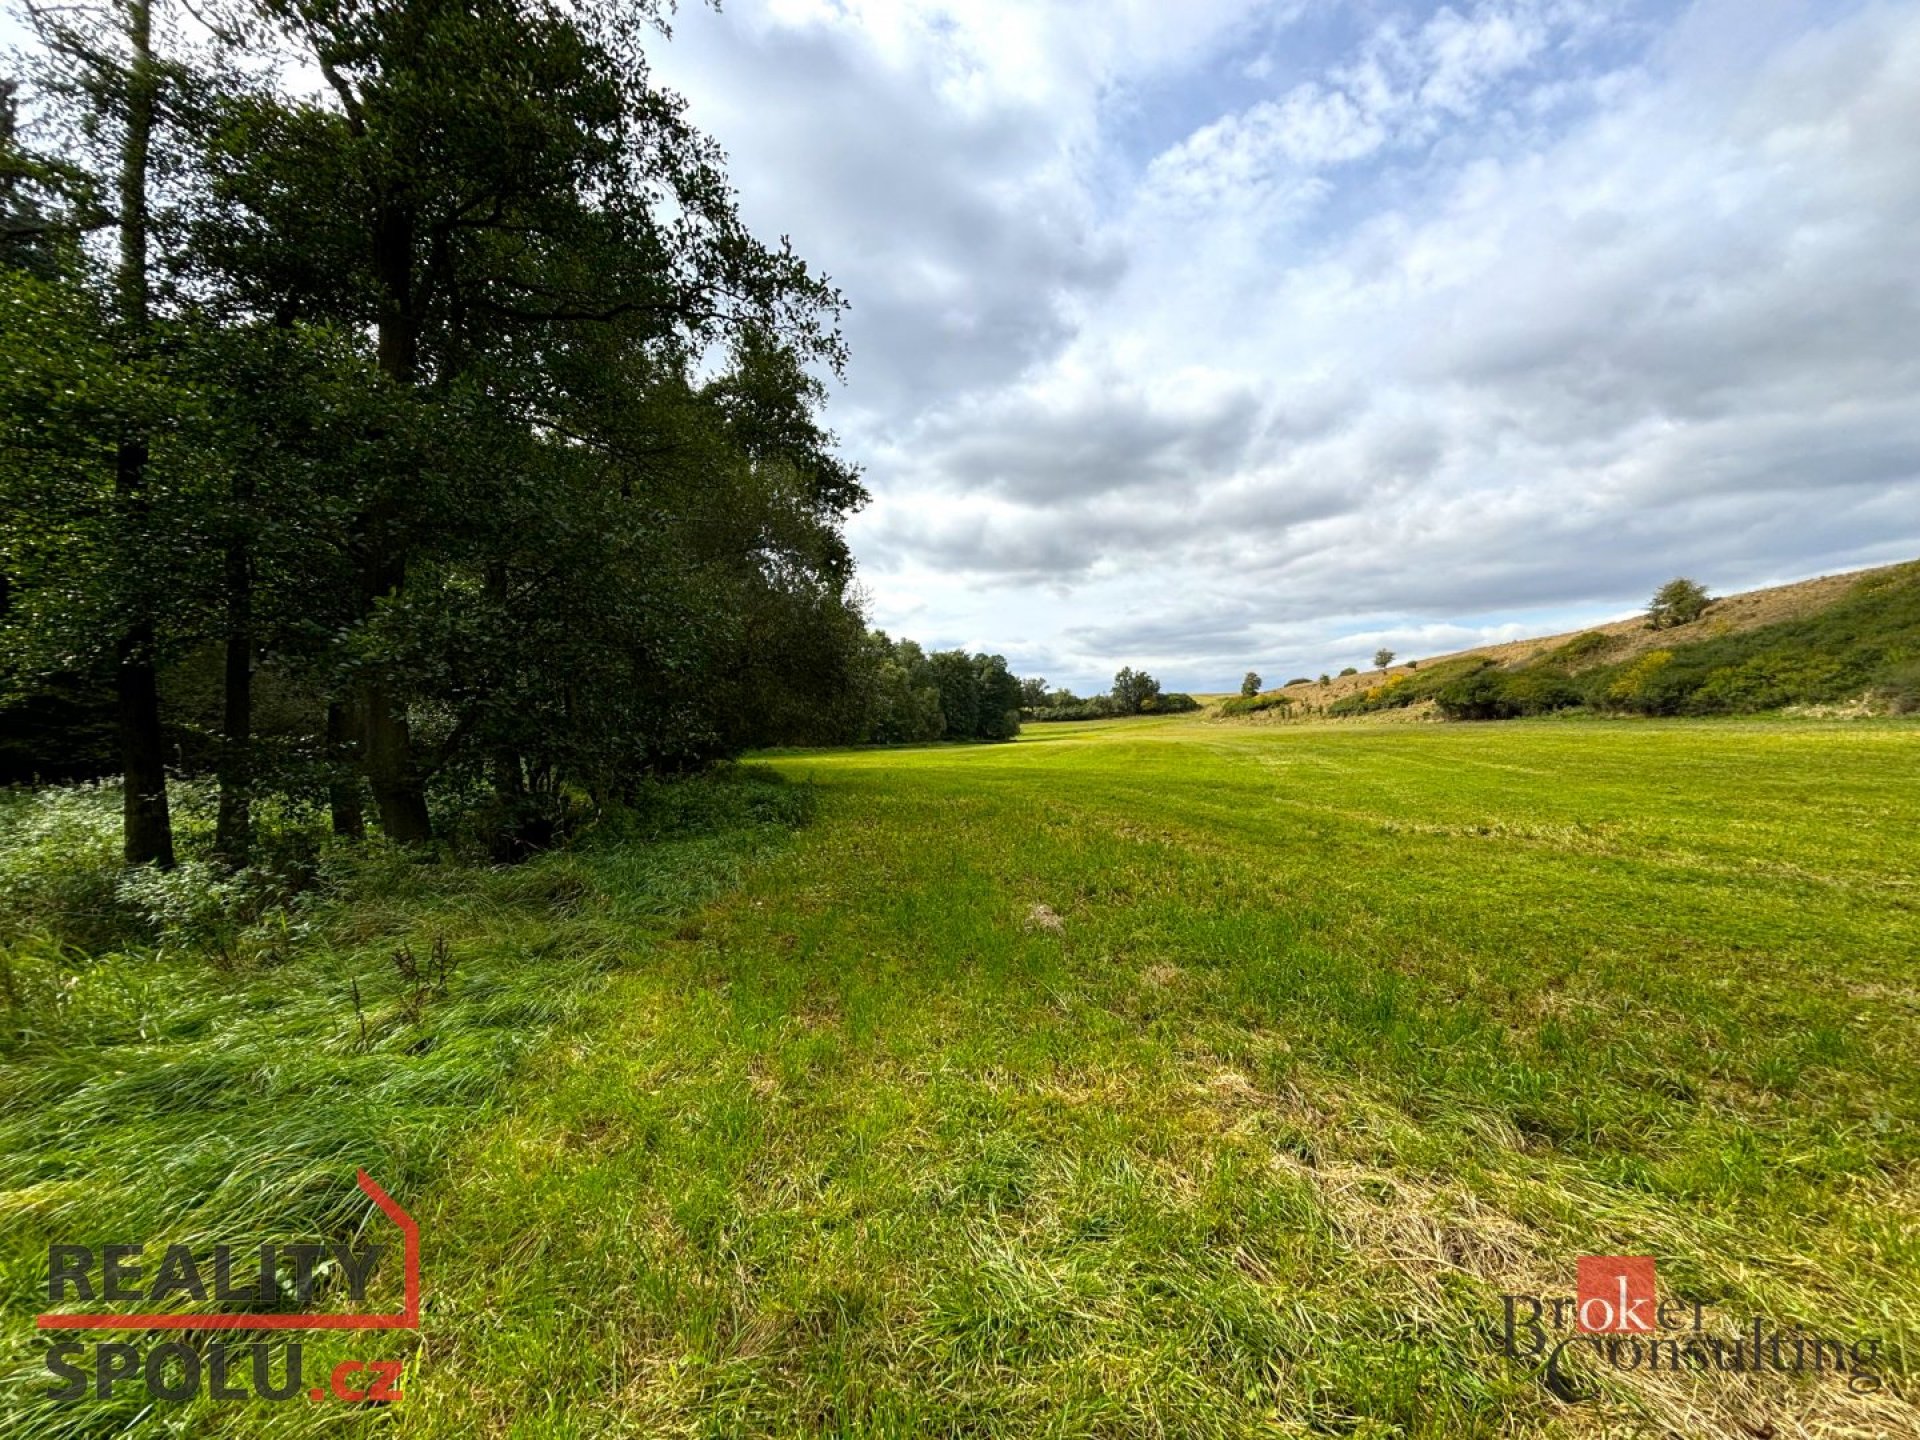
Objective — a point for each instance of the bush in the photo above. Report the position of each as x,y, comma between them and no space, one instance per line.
1678,602
1899,690
1482,695
1492,694
1299,680
1097,708
1410,688
1350,670
1254,704
1581,647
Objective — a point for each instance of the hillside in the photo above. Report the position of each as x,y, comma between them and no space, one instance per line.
1859,629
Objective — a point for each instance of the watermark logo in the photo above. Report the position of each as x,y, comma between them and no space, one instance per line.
1616,1319
1616,1294
266,1276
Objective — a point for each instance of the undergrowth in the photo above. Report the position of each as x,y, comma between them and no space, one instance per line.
204,1058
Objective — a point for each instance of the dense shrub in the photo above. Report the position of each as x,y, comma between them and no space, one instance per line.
1410,688
1900,690
1482,695
1587,646
1254,704
1100,707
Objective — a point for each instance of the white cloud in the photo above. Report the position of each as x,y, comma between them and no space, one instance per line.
1454,323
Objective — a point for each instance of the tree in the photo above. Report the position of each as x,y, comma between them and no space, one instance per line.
1678,602
452,405
1134,691
1382,659
102,65
999,699
1033,692
1250,684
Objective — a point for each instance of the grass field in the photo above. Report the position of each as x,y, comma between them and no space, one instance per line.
1177,1078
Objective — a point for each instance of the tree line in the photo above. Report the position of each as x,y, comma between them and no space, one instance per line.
398,415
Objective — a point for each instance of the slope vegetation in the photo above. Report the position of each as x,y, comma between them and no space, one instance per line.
1851,641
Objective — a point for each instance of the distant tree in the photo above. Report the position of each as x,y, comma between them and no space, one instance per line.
1348,671
1033,692
1324,677
999,707
1382,659
1250,684
958,680
1678,602
1134,691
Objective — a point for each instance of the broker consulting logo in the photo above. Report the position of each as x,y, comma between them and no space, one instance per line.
1617,1320
203,1359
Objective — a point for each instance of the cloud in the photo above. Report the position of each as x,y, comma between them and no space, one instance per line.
1416,322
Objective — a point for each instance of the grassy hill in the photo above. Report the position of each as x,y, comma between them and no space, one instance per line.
1851,641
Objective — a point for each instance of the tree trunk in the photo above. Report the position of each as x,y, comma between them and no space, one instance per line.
386,747
147,826
343,792
233,831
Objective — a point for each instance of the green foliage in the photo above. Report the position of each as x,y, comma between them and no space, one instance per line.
1847,651
1254,704
1408,689
901,695
1678,602
1493,694
471,416
1349,670
1382,659
1133,690
1899,688
1250,683
1586,646
1863,646
1065,705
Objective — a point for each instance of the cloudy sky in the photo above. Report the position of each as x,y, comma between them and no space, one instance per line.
1208,334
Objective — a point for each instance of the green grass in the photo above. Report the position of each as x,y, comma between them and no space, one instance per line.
183,1080
1325,1037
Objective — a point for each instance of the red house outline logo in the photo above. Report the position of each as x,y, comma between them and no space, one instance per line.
408,1317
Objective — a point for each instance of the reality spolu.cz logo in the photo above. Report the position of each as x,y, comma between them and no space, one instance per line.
1617,1320
204,1359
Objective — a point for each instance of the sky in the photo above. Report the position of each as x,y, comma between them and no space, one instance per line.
1217,335
1214,335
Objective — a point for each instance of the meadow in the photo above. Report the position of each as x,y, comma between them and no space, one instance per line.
1138,1078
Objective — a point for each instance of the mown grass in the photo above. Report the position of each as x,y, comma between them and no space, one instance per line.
1325,1039
1174,1078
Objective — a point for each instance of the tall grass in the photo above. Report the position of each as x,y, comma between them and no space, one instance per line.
201,1059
